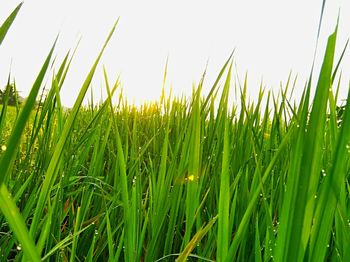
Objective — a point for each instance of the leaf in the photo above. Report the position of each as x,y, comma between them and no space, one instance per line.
8,22
195,240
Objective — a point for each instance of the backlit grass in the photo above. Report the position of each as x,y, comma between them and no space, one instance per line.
186,179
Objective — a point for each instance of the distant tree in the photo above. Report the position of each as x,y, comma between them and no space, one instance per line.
13,97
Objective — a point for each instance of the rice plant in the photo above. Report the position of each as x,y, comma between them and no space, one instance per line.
182,179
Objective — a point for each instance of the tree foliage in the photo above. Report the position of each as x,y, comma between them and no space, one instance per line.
10,94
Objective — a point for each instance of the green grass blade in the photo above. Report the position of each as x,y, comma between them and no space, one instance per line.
15,219
224,197
52,168
6,162
8,22
193,242
303,180
330,193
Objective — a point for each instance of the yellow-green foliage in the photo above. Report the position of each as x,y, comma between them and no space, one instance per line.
189,179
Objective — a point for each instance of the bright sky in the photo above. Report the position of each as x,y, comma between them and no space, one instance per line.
270,37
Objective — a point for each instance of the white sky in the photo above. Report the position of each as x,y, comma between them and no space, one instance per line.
271,38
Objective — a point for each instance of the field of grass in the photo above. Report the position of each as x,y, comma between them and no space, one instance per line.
185,179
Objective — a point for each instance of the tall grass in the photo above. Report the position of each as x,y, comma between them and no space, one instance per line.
186,179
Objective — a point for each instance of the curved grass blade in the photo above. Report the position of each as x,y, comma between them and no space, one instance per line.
55,160
299,202
9,209
8,22
195,240
7,160
325,210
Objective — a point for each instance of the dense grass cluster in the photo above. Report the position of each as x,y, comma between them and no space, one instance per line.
191,178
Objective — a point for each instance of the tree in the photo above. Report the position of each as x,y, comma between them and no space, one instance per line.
13,97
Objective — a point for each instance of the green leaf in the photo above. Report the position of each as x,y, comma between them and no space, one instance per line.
195,240
8,22
14,218
8,158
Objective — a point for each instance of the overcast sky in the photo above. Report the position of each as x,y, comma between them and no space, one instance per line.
270,39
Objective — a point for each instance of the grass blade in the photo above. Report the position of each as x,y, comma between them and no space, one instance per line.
8,22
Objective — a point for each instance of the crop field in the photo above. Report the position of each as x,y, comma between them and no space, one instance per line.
181,179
